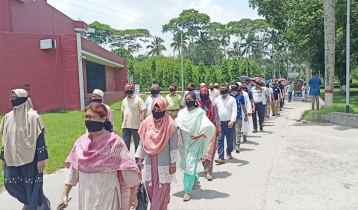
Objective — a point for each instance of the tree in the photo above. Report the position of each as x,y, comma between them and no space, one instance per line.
154,73
329,36
103,33
202,72
130,69
189,73
176,45
177,76
212,77
235,70
225,71
129,39
156,47
166,77
144,78
123,53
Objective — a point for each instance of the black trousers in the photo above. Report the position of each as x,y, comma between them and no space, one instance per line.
261,113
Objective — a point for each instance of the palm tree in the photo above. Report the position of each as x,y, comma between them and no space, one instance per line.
176,45
156,46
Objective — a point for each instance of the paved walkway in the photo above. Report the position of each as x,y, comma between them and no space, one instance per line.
291,165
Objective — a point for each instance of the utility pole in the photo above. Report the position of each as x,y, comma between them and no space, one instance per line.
182,65
348,54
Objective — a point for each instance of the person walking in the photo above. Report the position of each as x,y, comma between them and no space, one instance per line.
133,113
269,100
304,91
159,148
315,84
250,104
259,111
100,162
227,108
174,101
212,113
98,96
241,111
197,131
191,88
154,91
24,152
265,98
276,99
213,93
289,91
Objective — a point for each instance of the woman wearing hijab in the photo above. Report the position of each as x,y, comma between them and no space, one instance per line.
24,152
100,162
159,147
197,131
212,114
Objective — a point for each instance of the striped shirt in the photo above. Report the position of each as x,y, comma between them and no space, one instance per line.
256,94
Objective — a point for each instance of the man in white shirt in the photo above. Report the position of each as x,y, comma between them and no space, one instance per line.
257,95
227,111
213,93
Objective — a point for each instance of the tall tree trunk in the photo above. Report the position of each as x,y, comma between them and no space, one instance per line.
307,65
329,38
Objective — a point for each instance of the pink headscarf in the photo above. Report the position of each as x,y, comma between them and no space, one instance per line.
207,106
155,133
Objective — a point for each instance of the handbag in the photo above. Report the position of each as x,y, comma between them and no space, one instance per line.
142,197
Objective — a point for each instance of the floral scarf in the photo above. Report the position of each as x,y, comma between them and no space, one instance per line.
207,106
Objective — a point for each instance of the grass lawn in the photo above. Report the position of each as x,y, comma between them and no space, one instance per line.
63,129
339,104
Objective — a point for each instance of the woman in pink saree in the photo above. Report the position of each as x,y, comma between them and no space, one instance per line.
100,162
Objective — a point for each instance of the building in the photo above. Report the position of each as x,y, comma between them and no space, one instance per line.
62,74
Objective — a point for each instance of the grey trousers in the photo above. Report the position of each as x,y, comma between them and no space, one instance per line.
127,134
237,134
315,99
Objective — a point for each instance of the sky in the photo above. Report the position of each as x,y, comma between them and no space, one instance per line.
152,14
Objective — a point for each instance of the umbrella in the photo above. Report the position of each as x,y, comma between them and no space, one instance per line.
259,78
244,78
281,79
253,79
284,82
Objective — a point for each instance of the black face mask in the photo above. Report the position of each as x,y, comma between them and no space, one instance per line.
97,100
129,92
204,97
158,115
234,88
154,92
173,90
18,101
244,89
223,92
94,126
190,89
216,87
190,104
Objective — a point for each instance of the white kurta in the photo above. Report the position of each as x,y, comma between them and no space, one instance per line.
245,125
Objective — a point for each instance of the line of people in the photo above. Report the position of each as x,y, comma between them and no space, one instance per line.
177,132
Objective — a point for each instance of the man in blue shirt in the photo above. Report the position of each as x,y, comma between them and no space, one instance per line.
315,84
154,90
191,87
235,92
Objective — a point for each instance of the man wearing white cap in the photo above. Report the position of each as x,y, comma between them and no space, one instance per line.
202,85
97,96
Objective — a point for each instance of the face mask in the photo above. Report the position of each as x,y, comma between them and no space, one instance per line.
204,97
94,126
173,90
154,92
234,88
216,87
158,115
129,92
244,89
97,100
190,104
223,92
18,101
190,89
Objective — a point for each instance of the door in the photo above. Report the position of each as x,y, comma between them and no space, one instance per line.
96,77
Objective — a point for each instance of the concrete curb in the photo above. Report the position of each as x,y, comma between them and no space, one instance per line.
346,119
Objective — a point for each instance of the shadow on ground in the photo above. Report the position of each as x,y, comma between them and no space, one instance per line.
199,194
216,175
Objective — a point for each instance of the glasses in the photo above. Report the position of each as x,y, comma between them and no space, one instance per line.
88,117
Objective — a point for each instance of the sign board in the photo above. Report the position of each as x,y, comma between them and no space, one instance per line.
293,74
137,88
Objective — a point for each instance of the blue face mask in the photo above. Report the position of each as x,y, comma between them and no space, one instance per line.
18,101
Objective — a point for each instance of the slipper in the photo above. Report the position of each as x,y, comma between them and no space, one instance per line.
196,185
186,197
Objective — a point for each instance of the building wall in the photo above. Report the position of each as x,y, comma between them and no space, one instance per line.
52,74
39,17
110,79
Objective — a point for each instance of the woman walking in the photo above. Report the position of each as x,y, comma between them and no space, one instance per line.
100,162
159,147
197,131
24,152
211,112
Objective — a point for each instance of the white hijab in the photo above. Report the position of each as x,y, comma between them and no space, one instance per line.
20,129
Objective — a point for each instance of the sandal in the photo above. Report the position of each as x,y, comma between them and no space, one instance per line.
209,177
186,197
196,185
